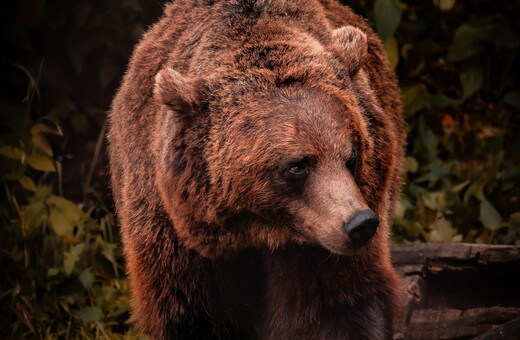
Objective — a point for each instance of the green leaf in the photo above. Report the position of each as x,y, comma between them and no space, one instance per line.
489,216
441,100
90,314
387,16
434,175
414,98
41,163
470,40
87,278
429,139
512,98
11,152
471,79
467,42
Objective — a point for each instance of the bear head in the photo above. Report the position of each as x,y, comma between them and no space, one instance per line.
274,146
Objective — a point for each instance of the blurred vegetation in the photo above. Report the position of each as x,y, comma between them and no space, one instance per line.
60,64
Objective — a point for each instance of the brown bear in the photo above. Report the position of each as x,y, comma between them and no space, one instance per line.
255,151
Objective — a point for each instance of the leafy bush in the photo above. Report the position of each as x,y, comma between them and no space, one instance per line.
60,250
60,62
458,66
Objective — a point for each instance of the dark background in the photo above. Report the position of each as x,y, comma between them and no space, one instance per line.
60,65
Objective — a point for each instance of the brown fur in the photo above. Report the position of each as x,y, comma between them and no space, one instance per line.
219,97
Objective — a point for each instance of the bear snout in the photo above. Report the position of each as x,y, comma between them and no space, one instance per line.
361,227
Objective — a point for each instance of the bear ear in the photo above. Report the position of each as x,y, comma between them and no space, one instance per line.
176,91
351,43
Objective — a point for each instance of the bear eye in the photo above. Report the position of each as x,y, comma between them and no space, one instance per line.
296,171
352,162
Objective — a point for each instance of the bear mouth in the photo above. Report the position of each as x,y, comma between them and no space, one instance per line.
337,242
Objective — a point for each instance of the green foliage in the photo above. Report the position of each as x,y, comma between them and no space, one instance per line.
61,61
62,273
458,67
60,259
387,15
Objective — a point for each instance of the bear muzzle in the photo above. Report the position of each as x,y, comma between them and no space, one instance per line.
361,227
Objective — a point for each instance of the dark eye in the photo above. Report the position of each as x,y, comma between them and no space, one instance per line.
296,171
352,162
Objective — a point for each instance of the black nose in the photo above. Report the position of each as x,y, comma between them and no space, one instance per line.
361,227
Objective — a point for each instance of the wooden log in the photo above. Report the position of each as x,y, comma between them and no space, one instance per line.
456,323
416,255
510,331
457,290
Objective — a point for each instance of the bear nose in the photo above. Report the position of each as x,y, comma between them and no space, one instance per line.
361,227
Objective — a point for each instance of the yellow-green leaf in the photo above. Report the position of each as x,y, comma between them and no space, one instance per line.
41,143
459,187
400,208
444,5
90,314
41,163
53,271
489,216
72,257
11,152
67,208
60,223
77,250
435,200
442,231
35,214
26,182
411,164
42,128
68,265
87,278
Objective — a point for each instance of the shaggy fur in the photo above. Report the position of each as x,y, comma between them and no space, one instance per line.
220,101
